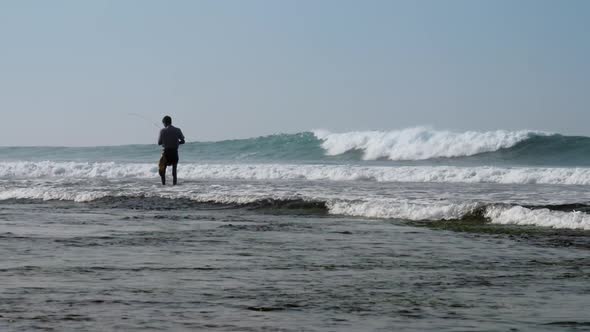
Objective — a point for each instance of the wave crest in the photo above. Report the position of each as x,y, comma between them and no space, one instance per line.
495,214
419,143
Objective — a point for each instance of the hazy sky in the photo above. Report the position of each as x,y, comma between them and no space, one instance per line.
72,71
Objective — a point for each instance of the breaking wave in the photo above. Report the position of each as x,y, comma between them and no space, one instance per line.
418,145
436,174
575,217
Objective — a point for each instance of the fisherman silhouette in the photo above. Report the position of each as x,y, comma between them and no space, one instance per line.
170,139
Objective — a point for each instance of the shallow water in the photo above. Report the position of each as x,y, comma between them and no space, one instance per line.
69,266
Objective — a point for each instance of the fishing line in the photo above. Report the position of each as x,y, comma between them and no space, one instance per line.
144,118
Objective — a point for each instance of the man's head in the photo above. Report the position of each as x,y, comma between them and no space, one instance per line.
167,121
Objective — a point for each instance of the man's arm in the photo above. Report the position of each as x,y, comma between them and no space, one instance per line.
160,138
180,137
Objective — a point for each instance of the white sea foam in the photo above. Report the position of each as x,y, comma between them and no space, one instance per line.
47,194
519,215
387,208
76,169
419,143
499,214
516,215
439,174
401,210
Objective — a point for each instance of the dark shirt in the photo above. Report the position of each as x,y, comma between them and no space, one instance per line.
171,137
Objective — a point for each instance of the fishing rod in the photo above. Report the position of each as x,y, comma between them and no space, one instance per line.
144,118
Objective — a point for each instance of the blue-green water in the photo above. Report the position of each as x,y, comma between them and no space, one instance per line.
533,150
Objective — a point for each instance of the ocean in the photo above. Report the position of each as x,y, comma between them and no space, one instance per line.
406,230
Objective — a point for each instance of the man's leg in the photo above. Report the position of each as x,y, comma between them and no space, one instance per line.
162,168
174,179
163,175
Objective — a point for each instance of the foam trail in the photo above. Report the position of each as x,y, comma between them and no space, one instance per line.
48,194
519,215
419,143
401,210
383,208
515,215
437,174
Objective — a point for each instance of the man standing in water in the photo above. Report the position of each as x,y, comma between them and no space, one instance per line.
170,138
